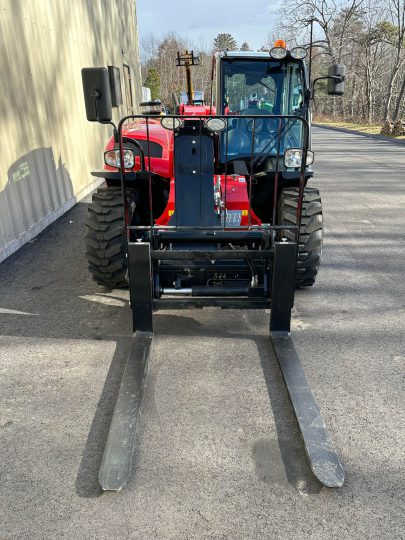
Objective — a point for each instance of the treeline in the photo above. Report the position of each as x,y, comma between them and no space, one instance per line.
368,36
159,69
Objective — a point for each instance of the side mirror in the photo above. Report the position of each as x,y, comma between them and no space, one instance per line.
97,94
336,82
115,86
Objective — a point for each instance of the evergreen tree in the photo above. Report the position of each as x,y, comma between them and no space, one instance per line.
224,42
153,82
245,46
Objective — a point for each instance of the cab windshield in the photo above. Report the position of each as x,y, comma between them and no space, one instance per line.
262,87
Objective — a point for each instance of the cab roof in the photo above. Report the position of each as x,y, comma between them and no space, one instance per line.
245,54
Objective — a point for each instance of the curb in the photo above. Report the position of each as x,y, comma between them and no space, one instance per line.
368,135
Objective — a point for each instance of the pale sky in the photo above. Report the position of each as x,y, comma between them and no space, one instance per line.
202,20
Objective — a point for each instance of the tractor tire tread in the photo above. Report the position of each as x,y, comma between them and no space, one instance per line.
105,242
310,240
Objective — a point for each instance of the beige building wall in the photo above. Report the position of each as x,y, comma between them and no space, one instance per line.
47,147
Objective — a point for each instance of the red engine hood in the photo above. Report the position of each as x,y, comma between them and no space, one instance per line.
157,134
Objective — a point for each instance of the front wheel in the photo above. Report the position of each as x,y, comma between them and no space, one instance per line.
310,239
105,241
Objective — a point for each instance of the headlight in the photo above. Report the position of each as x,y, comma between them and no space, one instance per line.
171,123
215,124
293,158
112,158
278,53
298,53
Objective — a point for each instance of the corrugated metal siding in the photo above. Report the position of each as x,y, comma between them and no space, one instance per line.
47,146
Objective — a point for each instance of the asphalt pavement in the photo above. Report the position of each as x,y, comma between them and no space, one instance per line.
218,454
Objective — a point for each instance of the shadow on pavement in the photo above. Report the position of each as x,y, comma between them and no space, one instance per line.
87,485
49,280
264,453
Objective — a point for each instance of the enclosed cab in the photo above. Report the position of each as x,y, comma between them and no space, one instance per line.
265,85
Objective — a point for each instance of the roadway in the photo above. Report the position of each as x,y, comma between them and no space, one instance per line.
218,453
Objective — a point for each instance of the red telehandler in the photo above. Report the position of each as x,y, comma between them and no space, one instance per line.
212,210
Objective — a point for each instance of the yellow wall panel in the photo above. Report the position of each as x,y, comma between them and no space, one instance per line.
47,147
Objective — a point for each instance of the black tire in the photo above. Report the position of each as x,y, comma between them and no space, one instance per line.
310,241
105,242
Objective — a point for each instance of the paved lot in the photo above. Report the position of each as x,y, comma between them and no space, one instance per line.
219,455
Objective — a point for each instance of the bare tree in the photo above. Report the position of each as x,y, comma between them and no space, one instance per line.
395,37
172,78
366,35
161,64
398,108
149,48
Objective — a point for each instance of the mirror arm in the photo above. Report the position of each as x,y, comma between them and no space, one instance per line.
337,78
115,130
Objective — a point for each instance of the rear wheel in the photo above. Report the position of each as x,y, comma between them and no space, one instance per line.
105,242
310,240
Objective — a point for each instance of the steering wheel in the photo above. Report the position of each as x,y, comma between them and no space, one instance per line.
252,111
